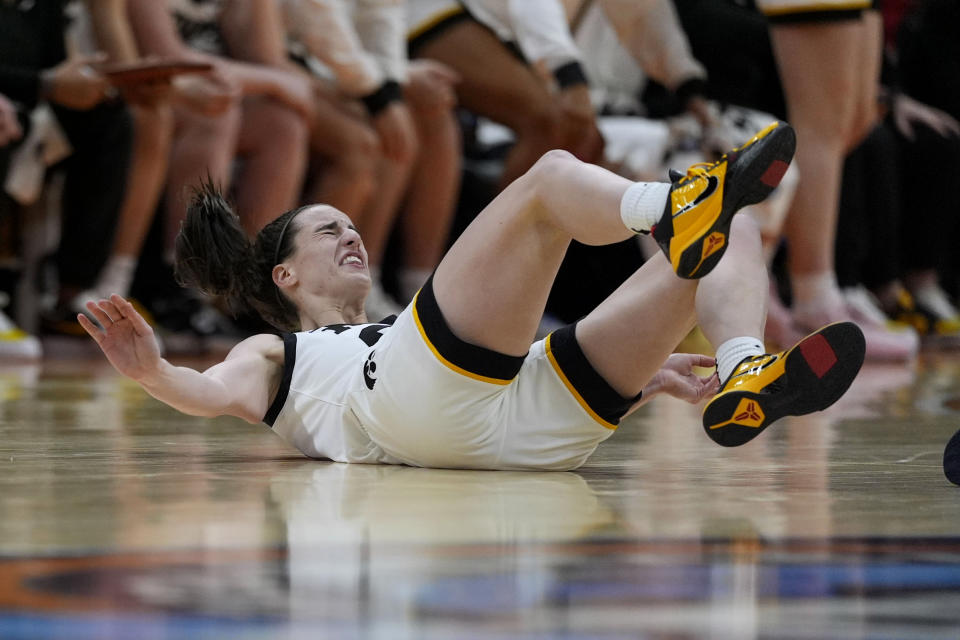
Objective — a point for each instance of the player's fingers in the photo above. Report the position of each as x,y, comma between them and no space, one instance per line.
140,326
111,310
89,327
99,314
447,74
712,386
701,360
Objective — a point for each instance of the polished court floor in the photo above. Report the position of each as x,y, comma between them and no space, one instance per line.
120,518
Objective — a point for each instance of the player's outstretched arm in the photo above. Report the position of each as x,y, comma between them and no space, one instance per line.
240,386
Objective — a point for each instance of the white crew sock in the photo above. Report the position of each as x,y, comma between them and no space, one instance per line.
410,281
116,276
643,204
814,293
733,351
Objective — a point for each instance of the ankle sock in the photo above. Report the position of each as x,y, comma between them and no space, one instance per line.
816,299
733,351
643,204
116,276
817,290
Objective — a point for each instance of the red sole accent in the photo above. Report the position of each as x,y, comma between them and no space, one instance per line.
774,173
819,355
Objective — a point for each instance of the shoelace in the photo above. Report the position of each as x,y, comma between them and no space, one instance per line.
700,169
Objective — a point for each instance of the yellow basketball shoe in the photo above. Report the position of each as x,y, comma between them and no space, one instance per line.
695,225
808,377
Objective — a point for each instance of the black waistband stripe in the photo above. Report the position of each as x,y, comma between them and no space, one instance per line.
595,391
469,357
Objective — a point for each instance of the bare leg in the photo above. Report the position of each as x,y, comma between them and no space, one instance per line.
495,84
493,284
349,152
202,146
433,189
866,113
378,216
822,110
153,130
628,337
273,143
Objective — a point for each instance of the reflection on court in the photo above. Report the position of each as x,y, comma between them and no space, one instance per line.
121,518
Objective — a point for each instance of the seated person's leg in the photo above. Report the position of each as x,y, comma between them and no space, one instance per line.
273,142
96,176
496,84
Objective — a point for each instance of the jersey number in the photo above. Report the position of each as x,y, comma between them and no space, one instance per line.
370,334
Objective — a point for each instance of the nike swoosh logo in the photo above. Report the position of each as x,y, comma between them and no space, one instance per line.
755,370
712,184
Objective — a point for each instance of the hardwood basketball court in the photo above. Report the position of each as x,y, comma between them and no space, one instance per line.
121,518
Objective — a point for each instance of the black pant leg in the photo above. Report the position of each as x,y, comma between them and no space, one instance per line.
851,243
733,43
883,211
930,199
96,177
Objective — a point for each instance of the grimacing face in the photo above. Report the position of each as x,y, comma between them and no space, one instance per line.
329,257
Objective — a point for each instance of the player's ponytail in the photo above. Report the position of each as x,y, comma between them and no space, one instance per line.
214,255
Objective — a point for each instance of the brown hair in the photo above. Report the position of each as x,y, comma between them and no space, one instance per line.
214,255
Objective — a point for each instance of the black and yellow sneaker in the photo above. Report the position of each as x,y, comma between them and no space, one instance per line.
695,224
808,377
933,326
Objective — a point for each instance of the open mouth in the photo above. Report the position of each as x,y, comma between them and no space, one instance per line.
352,259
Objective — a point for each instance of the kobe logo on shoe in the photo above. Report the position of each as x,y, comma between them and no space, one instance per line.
748,414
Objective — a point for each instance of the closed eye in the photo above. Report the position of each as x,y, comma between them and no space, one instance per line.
329,228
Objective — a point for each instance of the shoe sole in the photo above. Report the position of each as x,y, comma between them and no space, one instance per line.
757,171
817,371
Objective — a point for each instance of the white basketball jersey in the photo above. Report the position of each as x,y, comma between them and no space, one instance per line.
322,369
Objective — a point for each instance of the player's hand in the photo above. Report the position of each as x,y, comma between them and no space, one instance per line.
678,379
582,137
76,84
295,90
210,94
395,128
908,112
125,337
10,130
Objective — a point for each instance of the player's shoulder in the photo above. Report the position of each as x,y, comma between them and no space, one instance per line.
264,345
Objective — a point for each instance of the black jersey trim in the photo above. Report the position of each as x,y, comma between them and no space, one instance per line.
800,16
467,359
289,359
594,394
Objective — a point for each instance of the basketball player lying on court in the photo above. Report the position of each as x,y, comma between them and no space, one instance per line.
457,380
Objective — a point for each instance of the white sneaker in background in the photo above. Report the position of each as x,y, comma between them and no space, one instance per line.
886,339
15,343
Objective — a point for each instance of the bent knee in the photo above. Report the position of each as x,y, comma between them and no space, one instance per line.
286,127
360,152
544,175
553,160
